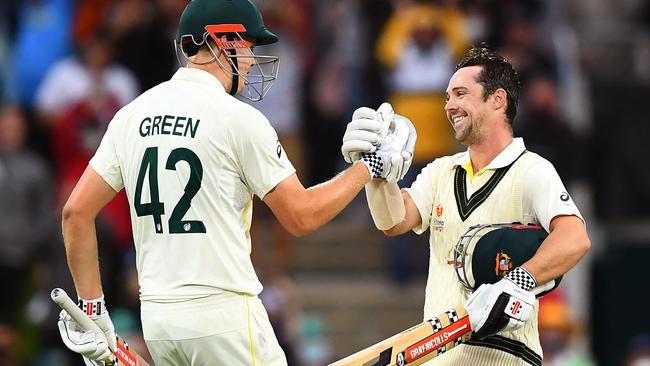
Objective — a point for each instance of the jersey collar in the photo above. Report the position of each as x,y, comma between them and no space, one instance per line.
199,76
505,157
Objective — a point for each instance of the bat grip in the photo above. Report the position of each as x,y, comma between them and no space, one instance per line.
61,298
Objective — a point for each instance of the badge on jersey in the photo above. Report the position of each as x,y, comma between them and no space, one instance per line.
278,149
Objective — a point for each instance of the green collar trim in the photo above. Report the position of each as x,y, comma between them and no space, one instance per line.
467,206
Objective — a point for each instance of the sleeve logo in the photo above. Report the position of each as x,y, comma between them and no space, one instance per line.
278,149
564,197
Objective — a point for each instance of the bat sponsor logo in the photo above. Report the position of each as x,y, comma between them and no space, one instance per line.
437,340
124,356
515,307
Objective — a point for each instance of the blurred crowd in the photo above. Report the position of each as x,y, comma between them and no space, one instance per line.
67,66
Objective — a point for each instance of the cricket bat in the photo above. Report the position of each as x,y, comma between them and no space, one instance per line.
123,356
417,344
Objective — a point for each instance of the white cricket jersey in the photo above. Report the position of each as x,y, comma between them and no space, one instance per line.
190,157
517,186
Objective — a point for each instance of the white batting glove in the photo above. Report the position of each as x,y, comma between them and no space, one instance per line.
366,131
97,348
502,306
393,158
399,145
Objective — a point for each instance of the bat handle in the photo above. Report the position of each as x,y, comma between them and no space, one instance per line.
61,298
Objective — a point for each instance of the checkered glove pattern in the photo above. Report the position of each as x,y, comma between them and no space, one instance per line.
381,140
522,278
374,163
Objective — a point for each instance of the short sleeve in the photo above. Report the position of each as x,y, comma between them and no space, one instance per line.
262,159
546,193
422,193
105,161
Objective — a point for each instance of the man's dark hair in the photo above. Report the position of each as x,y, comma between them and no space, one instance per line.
497,73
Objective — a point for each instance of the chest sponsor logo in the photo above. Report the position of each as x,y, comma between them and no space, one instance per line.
438,225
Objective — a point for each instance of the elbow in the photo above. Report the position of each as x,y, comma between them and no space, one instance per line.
392,232
72,214
300,225
584,245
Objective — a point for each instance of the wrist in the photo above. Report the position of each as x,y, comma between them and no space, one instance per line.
522,278
92,307
374,163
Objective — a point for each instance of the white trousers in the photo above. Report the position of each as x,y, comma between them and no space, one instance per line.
225,329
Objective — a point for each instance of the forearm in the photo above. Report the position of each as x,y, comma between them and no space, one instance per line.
561,250
81,250
386,204
324,201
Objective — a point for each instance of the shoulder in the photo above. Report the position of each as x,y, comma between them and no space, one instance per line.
244,118
446,163
536,162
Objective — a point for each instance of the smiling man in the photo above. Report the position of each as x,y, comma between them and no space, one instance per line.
497,180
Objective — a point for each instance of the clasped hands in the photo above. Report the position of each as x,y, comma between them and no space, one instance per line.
382,140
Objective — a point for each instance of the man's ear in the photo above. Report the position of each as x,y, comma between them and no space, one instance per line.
499,99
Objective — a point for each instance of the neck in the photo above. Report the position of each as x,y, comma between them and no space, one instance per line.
481,153
214,69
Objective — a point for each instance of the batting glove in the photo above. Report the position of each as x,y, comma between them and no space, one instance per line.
97,348
366,131
393,158
502,306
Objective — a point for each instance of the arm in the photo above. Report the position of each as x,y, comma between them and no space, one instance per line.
90,195
565,245
302,211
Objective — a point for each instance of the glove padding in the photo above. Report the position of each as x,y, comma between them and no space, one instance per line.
382,140
399,146
96,348
502,306
366,131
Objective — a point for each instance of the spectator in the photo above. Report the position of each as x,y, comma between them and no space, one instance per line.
638,352
43,38
546,131
26,221
77,100
143,31
557,334
419,47
88,77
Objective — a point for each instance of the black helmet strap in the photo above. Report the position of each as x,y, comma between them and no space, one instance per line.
234,66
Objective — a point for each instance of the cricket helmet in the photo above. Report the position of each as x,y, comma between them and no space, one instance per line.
486,253
232,25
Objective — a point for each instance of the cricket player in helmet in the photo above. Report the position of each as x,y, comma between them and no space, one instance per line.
229,30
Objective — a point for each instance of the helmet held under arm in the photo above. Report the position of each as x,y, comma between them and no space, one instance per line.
488,252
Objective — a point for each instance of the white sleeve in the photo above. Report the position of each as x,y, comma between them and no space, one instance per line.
546,194
106,162
262,160
422,192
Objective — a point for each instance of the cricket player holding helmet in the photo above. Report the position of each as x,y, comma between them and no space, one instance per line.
496,180
190,157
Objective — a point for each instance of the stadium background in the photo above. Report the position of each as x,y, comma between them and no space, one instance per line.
66,66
